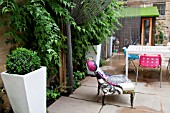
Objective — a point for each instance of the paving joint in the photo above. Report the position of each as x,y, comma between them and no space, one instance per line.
89,86
84,99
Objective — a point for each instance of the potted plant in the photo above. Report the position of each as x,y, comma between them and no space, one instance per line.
25,81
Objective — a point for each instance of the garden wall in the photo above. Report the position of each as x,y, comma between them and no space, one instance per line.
167,22
4,50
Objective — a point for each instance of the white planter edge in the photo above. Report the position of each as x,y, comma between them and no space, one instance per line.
27,93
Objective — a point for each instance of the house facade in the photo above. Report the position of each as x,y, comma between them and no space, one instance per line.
143,21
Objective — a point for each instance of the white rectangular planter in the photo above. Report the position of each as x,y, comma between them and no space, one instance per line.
27,93
109,46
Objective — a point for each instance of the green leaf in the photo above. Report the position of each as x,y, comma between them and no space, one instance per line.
1,2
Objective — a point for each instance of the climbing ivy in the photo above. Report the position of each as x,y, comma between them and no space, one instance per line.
37,25
40,25
94,31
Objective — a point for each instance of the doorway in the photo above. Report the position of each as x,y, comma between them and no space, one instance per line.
146,36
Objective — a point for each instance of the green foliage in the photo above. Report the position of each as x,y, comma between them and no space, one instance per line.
1,101
77,76
36,25
102,62
76,83
103,26
60,9
22,61
1,94
94,31
54,91
39,25
48,36
159,36
52,94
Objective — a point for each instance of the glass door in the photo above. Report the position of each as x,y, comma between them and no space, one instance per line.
146,31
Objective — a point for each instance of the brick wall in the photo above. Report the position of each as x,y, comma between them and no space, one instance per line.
167,22
4,50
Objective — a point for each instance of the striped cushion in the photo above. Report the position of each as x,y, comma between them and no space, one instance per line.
114,84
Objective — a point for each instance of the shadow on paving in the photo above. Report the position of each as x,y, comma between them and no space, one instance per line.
115,65
149,97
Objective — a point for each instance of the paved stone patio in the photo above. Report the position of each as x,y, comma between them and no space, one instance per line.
149,97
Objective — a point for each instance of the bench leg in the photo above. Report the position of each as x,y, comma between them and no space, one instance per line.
98,90
131,99
103,98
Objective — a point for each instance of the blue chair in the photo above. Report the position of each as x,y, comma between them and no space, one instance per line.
131,58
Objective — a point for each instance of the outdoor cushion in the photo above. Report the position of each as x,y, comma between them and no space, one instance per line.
123,81
120,82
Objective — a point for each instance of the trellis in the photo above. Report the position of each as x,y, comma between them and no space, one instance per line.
84,11
129,33
87,9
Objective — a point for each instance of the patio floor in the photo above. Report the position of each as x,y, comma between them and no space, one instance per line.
149,97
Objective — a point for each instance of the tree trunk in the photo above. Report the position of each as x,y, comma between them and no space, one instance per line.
69,58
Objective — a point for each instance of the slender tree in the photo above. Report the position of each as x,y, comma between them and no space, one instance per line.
83,12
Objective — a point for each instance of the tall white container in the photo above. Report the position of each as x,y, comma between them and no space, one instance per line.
26,93
110,46
96,56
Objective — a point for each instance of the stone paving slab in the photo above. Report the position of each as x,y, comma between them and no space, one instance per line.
153,88
142,102
118,100
110,109
116,109
70,105
89,81
165,102
148,101
149,97
108,68
86,93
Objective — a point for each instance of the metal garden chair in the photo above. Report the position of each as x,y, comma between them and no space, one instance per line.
150,61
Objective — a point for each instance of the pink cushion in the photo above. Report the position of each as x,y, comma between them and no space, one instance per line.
91,65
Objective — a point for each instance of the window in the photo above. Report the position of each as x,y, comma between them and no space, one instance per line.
161,8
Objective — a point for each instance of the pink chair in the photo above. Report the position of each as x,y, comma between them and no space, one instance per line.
168,69
150,61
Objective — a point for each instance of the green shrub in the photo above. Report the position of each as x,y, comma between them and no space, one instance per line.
52,94
22,61
79,75
102,62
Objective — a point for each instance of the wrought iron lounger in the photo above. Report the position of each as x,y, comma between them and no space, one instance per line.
111,84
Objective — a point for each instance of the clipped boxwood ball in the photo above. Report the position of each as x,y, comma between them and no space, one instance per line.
22,61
